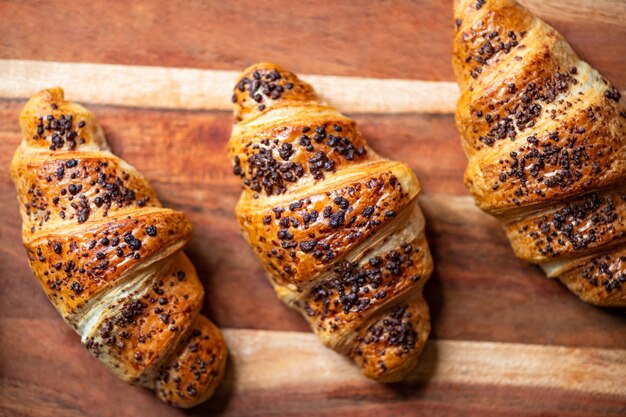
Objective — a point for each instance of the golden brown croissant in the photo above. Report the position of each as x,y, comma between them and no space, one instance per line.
336,226
109,257
545,135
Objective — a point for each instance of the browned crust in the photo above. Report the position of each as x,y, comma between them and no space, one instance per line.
342,303
142,327
600,280
196,370
73,268
59,187
545,135
250,99
388,349
297,241
573,228
296,145
50,122
108,255
317,205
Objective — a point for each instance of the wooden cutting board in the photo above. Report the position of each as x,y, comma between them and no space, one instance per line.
505,342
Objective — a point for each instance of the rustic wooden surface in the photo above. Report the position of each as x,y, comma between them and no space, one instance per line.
521,322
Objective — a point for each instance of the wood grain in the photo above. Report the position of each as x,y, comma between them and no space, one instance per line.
183,154
263,358
193,89
610,12
186,88
505,342
383,39
454,375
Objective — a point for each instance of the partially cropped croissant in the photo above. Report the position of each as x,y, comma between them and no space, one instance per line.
545,135
109,256
336,226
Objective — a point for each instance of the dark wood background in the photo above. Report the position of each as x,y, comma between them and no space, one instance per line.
479,291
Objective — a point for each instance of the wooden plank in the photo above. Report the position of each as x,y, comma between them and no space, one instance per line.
263,359
457,376
403,39
185,88
183,155
610,12
505,340
193,89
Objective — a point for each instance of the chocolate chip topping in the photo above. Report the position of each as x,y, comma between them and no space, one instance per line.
526,107
271,165
76,189
353,288
397,330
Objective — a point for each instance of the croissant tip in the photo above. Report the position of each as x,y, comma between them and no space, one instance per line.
263,65
54,93
460,6
42,99
127,241
45,96
465,7
265,85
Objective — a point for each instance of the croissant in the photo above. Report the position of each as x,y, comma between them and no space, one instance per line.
545,135
337,227
109,257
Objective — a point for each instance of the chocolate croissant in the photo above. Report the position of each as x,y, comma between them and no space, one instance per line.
337,227
545,135
109,257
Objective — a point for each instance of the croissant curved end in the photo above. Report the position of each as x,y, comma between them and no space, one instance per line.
545,135
266,86
86,133
200,360
109,256
336,226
